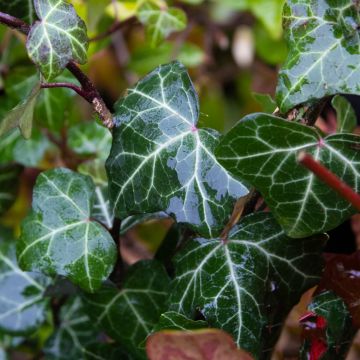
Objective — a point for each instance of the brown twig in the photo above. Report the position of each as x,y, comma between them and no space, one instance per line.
118,272
330,179
87,90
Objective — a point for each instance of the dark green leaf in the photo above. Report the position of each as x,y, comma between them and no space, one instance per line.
263,149
129,315
74,335
59,37
23,9
346,116
160,161
107,352
7,145
230,282
22,303
9,183
323,40
59,237
160,23
172,320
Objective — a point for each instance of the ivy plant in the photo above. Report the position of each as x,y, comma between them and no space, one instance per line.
246,213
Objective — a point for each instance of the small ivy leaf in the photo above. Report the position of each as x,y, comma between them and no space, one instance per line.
346,116
58,237
23,306
324,51
22,115
23,9
129,315
301,203
230,282
160,161
161,22
90,138
74,336
59,37
333,328
210,344
9,184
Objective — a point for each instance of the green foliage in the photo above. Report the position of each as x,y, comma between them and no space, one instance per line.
9,181
346,117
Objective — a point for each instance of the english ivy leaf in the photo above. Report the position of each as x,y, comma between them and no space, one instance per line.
128,315
324,55
59,237
23,9
22,115
160,161
9,183
59,37
90,138
230,282
161,22
172,320
74,336
346,116
263,149
134,220
22,303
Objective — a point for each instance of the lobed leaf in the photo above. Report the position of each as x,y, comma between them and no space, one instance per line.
263,149
324,55
230,282
59,37
59,237
160,161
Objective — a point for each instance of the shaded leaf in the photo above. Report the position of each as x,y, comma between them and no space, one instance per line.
59,37
211,344
172,320
74,336
23,9
266,101
161,22
22,303
59,237
9,184
134,220
324,52
230,282
7,145
263,149
107,352
128,315
160,161
346,116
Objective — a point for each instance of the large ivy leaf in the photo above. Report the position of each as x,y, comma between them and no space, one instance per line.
160,161
263,149
230,282
59,37
346,116
59,237
22,303
129,315
75,335
23,9
9,183
161,22
324,51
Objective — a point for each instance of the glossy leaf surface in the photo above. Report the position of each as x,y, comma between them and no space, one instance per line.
59,237
263,149
129,315
324,55
229,282
59,37
23,305
160,161
345,114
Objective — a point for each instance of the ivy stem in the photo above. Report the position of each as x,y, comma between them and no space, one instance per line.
330,179
74,87
88,90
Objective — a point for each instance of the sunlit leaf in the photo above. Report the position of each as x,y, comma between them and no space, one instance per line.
22,303
59,37
229,282
346,116
9,183
324,55
59,237
129,314
160,161
263,149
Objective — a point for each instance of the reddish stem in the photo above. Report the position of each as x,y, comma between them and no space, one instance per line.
330,179
74,87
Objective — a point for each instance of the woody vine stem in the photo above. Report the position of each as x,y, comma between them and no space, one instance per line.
87,89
